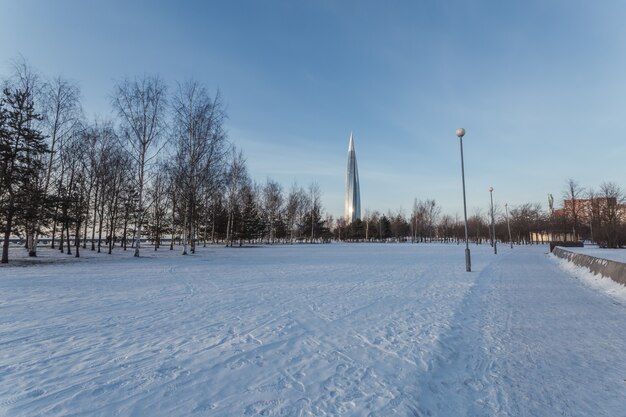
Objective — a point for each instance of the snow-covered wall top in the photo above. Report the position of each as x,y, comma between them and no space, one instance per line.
611,269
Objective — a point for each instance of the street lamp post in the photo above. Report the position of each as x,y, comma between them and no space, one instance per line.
493,224
508,225
460,132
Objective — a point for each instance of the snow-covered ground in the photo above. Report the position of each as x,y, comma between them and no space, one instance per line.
309,330
598,282
618,255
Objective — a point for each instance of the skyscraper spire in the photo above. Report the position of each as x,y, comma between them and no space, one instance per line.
352,209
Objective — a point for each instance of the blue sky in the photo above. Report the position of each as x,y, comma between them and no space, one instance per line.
538,85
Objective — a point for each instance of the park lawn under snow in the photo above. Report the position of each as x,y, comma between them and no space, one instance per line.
309,330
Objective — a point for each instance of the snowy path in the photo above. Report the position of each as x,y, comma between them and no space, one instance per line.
359,330
530,341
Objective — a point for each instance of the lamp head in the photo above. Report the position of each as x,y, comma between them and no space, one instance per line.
460,132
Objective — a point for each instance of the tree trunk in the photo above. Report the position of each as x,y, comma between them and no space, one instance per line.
87,216
185,219
95,213
125,227
213,228
77,239
7,236
206,229
100,232
192,233
112,232
140,199
62,239
34,237
85,230
69,245
54,231
228,229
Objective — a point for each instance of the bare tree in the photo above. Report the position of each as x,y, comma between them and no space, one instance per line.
293,208
417,216
74,192
446,228
141,104
200,143
572,194
105,162
117,165
236,180
592,211
479,224
159,196
524,219
432,213
315,210
423,217
367,219
62,116
611,214
272,205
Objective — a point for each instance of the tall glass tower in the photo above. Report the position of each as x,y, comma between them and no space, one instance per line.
352,209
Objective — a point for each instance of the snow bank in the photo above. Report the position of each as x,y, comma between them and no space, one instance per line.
598,282
617,255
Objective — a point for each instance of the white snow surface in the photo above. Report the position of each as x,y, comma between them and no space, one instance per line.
309,330
617,255
597,281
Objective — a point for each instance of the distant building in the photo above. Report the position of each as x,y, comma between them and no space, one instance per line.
588,212
352,209
545,237
587,208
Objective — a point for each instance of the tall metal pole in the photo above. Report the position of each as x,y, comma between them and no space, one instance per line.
460,132
493,225
491,217
508,225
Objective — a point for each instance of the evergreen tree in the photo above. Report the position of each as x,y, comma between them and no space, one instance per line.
21,151
357,231
384,228
251,225
314,226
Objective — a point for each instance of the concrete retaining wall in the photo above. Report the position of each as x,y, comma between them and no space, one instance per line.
611,269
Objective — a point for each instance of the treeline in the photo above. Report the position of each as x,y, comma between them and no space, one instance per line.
593,215
425,223
163,171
